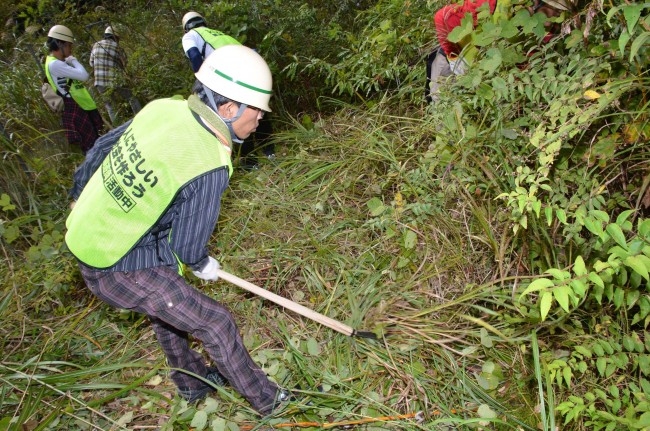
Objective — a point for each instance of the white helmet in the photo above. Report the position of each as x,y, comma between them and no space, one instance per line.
61,32
192,16
562,5
109,30
238,73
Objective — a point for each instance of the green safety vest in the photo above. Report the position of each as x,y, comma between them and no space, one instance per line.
162,150
76,90
215,38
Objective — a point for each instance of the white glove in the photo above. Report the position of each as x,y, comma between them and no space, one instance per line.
458,66
70,59
209,272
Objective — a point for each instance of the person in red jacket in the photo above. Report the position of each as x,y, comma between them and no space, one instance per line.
445,61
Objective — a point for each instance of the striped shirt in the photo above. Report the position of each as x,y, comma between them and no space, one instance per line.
184,229
62,71
105,57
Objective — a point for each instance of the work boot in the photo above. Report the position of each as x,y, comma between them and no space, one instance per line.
282,398
195,395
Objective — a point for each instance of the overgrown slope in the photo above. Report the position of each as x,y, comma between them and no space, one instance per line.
497,243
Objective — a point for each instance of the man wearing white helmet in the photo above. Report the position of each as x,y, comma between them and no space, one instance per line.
160,178
199,42
81,120
108,61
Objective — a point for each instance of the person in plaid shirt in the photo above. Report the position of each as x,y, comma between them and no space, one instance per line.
106,58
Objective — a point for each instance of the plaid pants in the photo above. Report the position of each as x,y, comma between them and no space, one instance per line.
81,127
177,309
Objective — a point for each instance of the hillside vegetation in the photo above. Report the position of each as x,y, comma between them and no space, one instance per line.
497,243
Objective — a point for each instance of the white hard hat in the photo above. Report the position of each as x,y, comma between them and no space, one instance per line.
564,5
238,73
191,16
109,30
61,32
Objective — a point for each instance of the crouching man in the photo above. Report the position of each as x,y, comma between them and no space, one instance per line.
147,200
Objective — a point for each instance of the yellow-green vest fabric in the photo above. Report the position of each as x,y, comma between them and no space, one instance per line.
163,149
76,90
215,38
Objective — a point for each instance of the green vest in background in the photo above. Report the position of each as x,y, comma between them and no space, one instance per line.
215,38
76,90
164,148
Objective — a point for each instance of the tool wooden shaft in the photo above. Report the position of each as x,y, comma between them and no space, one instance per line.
286,303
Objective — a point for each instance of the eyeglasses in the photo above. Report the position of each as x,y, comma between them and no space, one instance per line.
260,112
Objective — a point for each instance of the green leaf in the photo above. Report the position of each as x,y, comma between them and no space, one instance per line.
125,419
579,289
623,39
561,294
616,233
644,227
376,207
631,297
312,347
561,215
583,351
632,13
622,217
210,405
219,424
509,133
558,274
200,420
5,202
545,304
598,349
464,29
548,211
410,239
486,340
628,343
644,421
579,268
595,278
567,374
601,365
639,264
594,226
484,411
492,60
619,296
539,284
638,43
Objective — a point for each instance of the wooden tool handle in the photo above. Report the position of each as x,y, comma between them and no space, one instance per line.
286,303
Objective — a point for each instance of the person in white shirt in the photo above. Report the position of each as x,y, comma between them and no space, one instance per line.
199,42
81,120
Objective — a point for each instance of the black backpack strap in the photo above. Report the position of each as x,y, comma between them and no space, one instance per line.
430,59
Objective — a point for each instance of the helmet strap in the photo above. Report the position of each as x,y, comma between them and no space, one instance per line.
228,121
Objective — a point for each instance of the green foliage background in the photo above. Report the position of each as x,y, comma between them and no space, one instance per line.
497,242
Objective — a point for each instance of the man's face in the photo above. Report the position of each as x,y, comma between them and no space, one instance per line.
248,121
66,49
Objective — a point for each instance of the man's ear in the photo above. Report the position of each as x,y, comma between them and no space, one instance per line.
226,110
